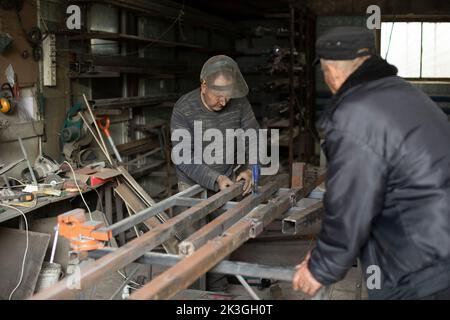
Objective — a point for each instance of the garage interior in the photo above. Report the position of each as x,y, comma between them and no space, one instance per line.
85,143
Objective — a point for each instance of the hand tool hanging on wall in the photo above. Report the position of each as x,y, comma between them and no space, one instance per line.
7,99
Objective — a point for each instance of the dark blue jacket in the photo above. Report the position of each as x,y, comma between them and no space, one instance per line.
388,185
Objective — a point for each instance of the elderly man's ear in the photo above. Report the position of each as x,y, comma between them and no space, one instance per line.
203,88
332,77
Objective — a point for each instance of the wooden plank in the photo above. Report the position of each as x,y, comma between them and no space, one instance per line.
12,249
136,205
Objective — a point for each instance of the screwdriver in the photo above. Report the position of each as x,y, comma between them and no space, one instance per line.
22,197
255,177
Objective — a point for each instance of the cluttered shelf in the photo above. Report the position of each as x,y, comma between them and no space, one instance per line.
8,214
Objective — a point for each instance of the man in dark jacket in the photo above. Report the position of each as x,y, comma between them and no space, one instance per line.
388,178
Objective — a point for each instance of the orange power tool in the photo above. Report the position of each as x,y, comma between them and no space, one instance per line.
83,235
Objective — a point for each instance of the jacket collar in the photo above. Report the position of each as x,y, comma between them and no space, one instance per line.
372,69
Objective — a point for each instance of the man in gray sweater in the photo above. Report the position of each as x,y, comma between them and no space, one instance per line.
220,103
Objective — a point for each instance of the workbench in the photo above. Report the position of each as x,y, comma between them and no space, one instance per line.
11,214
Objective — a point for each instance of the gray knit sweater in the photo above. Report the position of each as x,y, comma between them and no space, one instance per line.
237,114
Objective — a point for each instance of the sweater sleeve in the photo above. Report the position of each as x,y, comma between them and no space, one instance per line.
200,173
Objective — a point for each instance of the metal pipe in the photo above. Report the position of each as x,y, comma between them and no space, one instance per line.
132,250
224,267
184,273
227,219
295,222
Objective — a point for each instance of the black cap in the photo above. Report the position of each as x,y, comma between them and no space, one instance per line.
345,43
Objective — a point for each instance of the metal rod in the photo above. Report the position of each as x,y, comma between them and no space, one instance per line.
295,222
96,126
30,168
134,249
247,287
227,219
55,241
136,186
184,273
88,126
125,282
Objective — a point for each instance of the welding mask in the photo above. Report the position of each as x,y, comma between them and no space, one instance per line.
222,76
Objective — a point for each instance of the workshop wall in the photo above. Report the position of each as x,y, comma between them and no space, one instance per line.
24,120
56,98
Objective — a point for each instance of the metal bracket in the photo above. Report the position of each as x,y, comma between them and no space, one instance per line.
256,227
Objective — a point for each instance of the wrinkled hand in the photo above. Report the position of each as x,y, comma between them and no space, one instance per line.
223,182
303,279
248,182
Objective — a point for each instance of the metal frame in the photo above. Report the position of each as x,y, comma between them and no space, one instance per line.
184,273
227,235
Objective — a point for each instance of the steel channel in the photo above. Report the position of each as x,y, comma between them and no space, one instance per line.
227,219
293,223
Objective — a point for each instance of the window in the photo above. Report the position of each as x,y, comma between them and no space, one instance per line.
417,49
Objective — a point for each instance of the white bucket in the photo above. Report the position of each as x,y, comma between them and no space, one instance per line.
48,276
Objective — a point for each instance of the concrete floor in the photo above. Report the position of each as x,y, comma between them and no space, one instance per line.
277,253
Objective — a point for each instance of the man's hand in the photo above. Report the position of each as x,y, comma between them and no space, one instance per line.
248,183
223,182
303,279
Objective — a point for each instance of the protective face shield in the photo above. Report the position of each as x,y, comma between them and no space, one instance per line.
222,76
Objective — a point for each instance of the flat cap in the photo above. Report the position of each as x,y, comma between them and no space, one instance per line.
345,43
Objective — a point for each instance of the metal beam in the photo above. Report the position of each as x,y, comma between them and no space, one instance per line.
134,249
299,220
227,219
224,267
184,273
